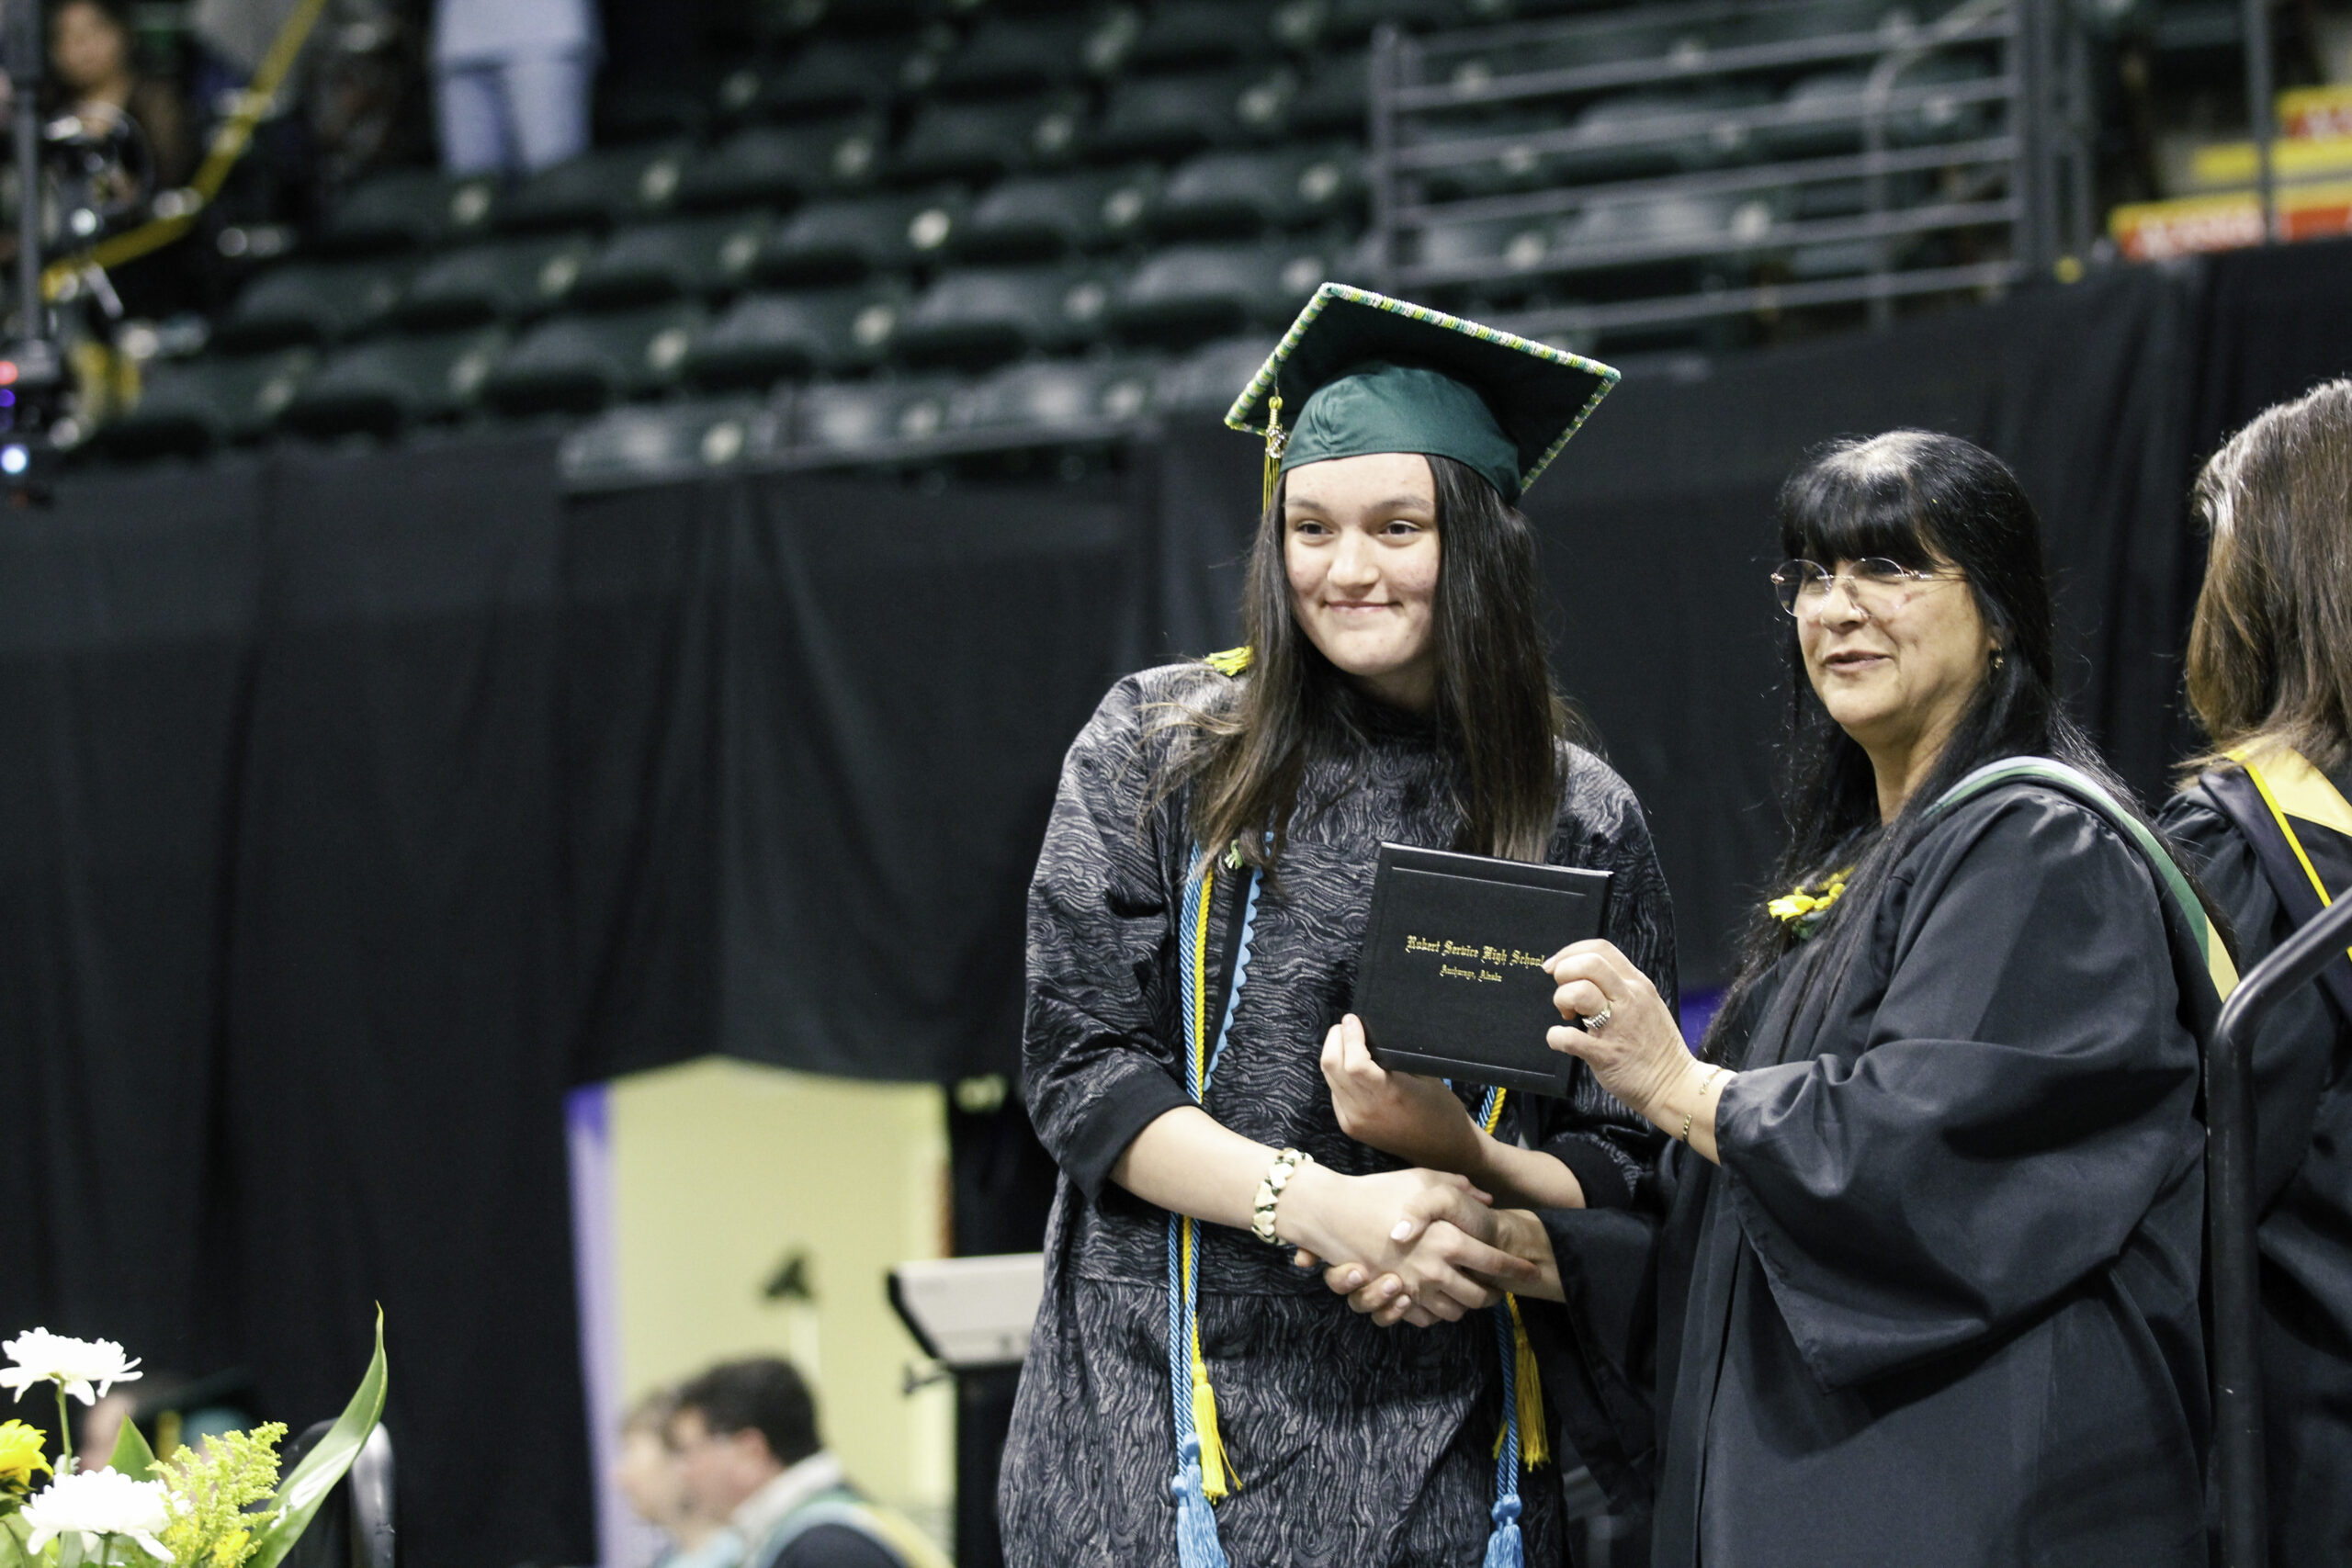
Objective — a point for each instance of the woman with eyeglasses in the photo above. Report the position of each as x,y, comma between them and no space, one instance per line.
1925,1288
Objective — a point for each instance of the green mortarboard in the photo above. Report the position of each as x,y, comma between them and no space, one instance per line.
1359,372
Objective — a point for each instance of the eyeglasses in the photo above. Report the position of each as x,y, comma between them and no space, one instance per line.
1875,583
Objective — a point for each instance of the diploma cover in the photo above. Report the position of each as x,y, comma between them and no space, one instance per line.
1451,982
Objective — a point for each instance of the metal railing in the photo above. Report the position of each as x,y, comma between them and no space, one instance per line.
1949,155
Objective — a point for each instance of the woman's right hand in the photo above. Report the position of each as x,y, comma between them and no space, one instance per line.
1430,1231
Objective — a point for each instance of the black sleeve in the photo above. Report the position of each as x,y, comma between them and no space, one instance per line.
1612,1151
2022,1098
1095,1070
836,1546
2294,1056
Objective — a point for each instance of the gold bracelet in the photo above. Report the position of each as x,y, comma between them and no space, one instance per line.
1715,1073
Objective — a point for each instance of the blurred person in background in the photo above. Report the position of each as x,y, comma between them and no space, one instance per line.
96,78
511,82
651,1476
2270,677
745,1434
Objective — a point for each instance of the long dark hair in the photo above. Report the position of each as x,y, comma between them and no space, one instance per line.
1927,502
2270,650
1497,710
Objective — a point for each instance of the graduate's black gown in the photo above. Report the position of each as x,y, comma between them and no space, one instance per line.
1938,1305
2303,1081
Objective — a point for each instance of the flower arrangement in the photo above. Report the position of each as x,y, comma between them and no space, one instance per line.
222,1507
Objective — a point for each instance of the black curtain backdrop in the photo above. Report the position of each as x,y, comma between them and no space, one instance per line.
353,805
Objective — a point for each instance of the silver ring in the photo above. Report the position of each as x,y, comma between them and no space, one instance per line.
1592,1024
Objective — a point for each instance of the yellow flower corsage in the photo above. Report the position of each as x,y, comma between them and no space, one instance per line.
1804,907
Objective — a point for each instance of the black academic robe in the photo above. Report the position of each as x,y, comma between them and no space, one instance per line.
1938,1305
2302,1084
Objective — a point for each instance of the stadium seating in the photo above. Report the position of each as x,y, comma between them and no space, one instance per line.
631,445
1039,217
388,385
1190,293
763,338
1250,193
845,240
782,164
504,280
602,189
315,302
193,407
686,258
1014,54
1172,116
849,417
409,209
1053,397
580,363
980,316
989,140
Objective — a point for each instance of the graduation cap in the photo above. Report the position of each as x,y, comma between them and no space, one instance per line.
1360,372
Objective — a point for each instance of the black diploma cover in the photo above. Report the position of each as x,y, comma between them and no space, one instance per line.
1451,982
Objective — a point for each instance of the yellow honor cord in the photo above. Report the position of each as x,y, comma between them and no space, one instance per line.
1534,1441
1217,1476
1275,438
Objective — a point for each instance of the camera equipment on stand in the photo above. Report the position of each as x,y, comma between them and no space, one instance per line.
970,1314
32,368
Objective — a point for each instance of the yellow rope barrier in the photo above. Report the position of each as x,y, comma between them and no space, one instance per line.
229,145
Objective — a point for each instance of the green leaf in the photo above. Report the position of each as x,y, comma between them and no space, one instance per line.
299,1494
133,1456
14,1533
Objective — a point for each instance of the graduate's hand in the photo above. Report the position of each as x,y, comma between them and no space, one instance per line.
1638,1055
1443,1229
1404,1114
1365,1219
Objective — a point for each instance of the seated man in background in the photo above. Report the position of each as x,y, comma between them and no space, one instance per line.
746,1436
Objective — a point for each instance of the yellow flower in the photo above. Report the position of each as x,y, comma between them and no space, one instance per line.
20,1454
231,1550
1805,908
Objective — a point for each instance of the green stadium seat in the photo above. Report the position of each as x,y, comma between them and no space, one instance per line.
506,280
683,259
1337,99
980,141
1507,246
1789,23
783,165
1828,109
580,363
393,384
979,316
190,407
1635,135
1351,21
783,21
1006,55
1171,117
1191,292
668,107
1200,35
764,338
602,189
315,302
650,443
1051,399
851,417
834,77
1042,216
1250,193
1205,381
409,209
842,241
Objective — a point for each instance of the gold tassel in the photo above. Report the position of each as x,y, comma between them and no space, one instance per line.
1275,439
1217,1476
1534,1439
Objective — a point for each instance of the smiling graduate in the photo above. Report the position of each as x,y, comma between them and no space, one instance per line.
1192,1394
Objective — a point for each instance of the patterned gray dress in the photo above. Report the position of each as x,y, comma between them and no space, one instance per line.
1353,1445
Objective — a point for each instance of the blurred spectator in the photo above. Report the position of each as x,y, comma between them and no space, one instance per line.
650,1474
90,57
746,1438
511,80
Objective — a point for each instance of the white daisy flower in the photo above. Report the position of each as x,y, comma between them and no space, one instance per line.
99,1503
85,1369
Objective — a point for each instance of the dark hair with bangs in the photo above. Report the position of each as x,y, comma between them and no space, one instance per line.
1925,501
1497,709
2270,650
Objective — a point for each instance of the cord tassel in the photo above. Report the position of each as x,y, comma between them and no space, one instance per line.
1196,1542
1534,1439
1218,1479
1276,438
1503,1550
